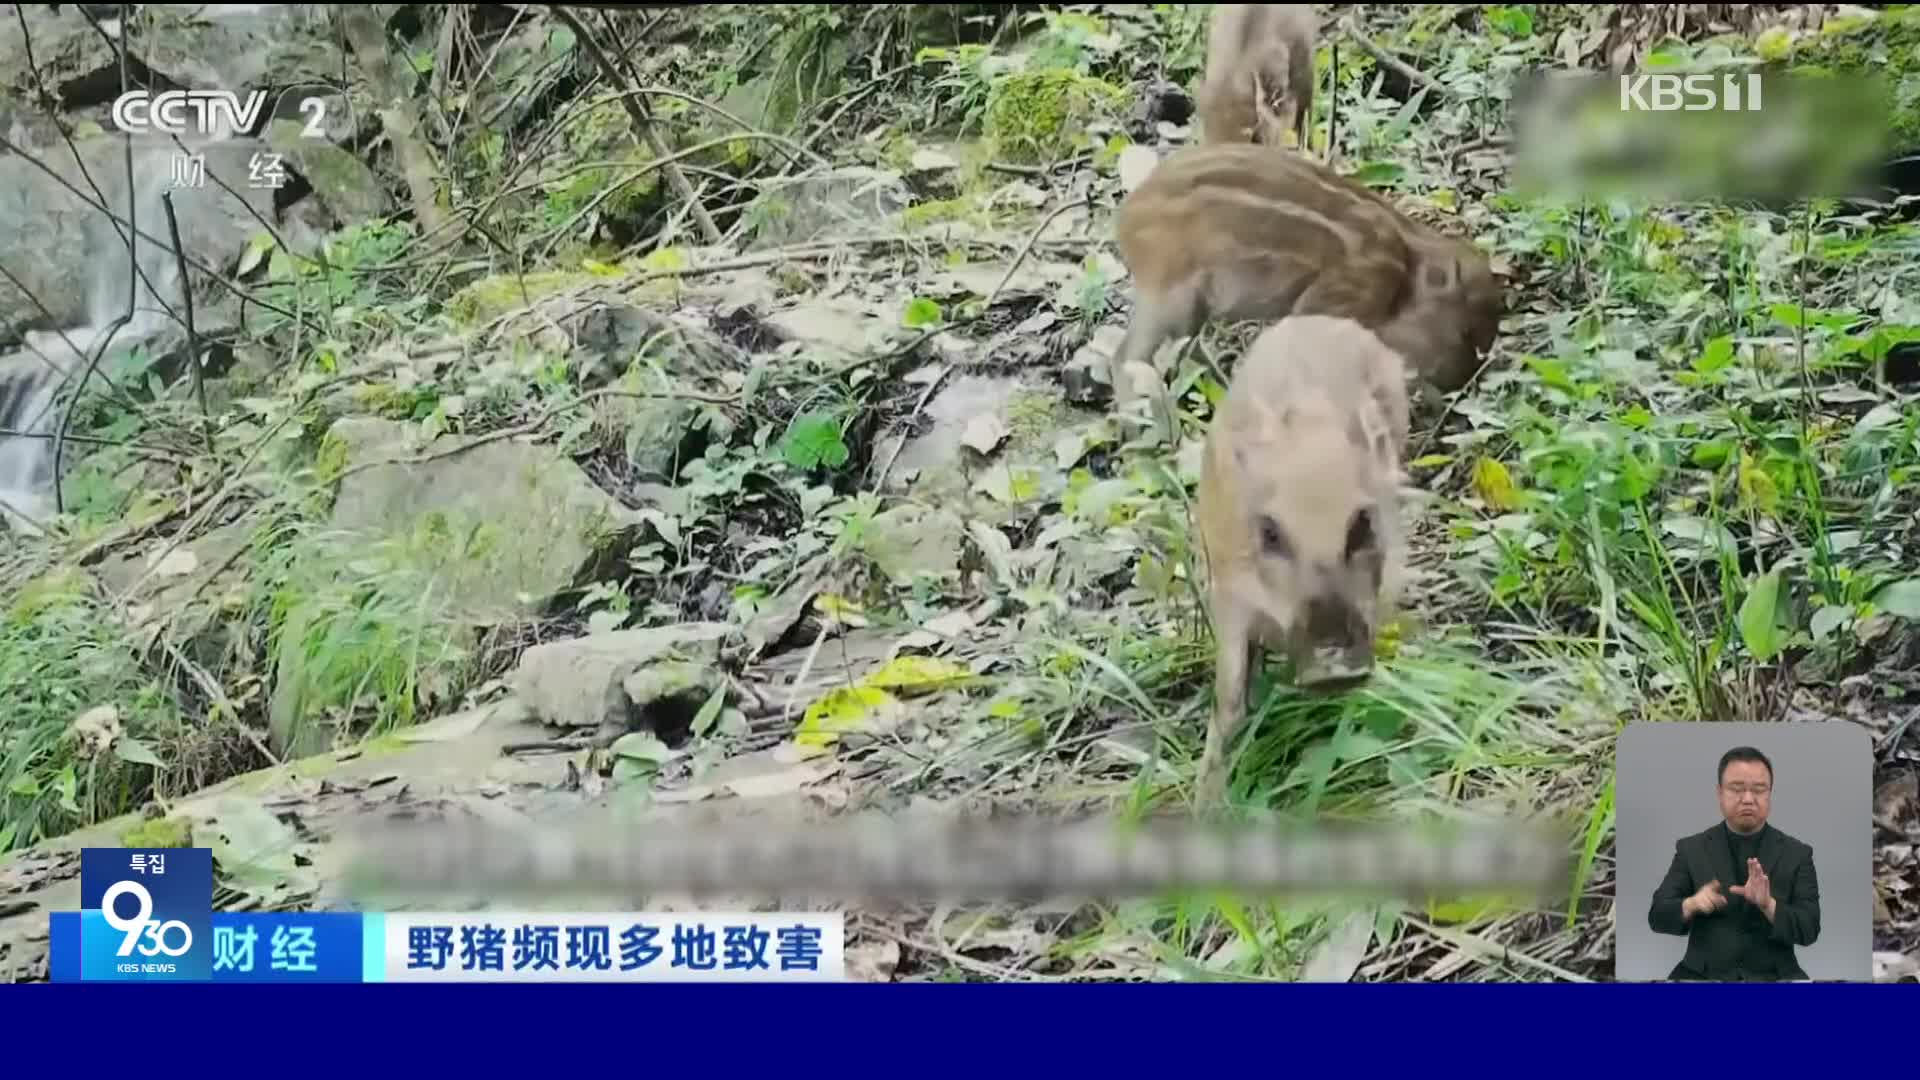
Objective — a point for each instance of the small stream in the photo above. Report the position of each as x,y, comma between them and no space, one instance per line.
38,377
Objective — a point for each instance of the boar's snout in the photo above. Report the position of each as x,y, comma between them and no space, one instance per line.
1333,645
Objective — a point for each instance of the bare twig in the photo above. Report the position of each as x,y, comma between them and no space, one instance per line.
365,28
880,482
853,97
670,162
480,78
160,452
193,335
642,122
132,227
1391,62
1062,165
133,298
533,425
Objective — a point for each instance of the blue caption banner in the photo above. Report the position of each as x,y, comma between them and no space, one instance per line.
620,947
288,947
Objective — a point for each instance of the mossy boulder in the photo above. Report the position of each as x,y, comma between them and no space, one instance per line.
1043,115
345,185
1884,47
490,298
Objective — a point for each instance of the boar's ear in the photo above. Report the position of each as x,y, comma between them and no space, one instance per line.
1360,534
1273,539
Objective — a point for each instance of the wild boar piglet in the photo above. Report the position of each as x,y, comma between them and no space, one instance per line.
1258,85
1246,232
1299,515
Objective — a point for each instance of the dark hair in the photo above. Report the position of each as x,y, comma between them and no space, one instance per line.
1742,753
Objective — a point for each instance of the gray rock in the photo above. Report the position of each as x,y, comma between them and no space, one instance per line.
161,596
955,406
72,256
523,523
911,541
64,48
843,202
345,185
934,173
833,326
242,47
546,526
610,680
26,126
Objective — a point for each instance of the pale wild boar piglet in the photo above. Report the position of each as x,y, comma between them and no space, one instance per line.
1246,232
1299,514
1258,85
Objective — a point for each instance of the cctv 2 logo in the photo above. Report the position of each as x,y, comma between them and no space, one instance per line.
143,924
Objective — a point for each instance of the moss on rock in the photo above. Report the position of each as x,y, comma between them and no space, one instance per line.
489,298
1886,48
1043,115
158,833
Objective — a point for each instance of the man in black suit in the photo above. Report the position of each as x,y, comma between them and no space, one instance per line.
1743,892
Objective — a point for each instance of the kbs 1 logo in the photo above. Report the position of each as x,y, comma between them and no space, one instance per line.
146,915
202,112
1689,93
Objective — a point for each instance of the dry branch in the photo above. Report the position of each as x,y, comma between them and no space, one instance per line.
643,129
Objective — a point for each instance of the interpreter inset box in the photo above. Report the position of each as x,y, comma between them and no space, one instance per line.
1745,852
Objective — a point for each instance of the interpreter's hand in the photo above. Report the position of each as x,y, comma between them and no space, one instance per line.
1758,891
1708,900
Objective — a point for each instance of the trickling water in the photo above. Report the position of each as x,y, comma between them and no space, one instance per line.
26,406
39,376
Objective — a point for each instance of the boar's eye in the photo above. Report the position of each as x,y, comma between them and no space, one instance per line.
1360,533
1273,541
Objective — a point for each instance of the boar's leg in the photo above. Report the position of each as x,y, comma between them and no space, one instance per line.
1278,118
1233,670
1154,322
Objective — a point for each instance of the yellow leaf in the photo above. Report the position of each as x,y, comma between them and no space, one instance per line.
257,249
600,269
1431,461
909,673
665,259
1494,485
840,610
1757,488
1467,910
1774,44
843,709
1386,644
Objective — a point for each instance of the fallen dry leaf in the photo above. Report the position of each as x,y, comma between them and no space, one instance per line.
447,728
1893,967
97,727
967,931
178,563
1136,164
692,794
874,962
1896,797
985,432
1338,955
786,781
